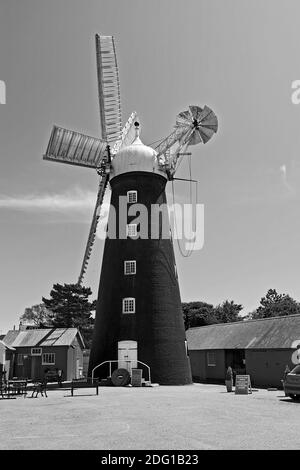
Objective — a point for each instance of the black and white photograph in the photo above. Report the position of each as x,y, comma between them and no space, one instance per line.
149,229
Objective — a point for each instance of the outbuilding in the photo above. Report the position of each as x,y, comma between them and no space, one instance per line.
261,348
6,357
38,351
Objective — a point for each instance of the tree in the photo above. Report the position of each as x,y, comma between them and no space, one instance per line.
37,315
228,312
71,308
202,313
274,304
198,314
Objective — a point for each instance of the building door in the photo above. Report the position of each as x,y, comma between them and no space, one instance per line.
127,355
78,369
36,367
26,366
235,358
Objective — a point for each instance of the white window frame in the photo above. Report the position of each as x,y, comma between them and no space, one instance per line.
211,359
131,197
129,267
20,359
46,359
128,305
131,230
36,351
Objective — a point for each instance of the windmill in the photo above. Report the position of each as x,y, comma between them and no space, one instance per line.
139,316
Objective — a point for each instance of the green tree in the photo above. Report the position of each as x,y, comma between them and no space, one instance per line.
71,308
37,315
198,314
228,312
274,305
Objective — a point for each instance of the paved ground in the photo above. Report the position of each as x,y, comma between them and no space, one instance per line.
197,416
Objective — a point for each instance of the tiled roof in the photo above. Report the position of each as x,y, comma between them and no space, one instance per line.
267,333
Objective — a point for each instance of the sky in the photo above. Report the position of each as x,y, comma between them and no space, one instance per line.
239,57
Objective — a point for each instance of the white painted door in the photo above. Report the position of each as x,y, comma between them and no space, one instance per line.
127,355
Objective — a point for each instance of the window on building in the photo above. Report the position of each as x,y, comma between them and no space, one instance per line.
36,351
211,359
48,359
131,230
130,267
20,359
129,305
131,197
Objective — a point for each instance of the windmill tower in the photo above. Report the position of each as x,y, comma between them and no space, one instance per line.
139,316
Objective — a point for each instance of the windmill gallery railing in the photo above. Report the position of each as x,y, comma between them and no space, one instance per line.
129,362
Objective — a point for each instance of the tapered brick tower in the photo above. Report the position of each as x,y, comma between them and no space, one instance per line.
139,310
139,316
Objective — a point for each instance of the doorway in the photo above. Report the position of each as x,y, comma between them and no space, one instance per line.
127,351
235,358
36,362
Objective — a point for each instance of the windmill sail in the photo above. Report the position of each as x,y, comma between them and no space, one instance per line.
127,135
192,127
92,233
108,89
71,147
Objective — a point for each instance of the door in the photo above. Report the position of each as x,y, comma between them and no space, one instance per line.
78,369
236,359
26,372
127,355
36,362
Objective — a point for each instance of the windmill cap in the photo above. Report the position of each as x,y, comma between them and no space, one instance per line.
136,157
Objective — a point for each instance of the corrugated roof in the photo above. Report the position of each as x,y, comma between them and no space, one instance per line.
11,336
267,333
42,337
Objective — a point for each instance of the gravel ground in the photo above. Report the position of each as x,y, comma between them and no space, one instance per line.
198,416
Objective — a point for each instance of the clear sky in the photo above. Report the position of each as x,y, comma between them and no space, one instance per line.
237,56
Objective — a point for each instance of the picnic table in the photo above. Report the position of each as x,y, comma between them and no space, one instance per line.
18,387
13,388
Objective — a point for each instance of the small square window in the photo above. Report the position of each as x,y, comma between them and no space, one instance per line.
48,359
211,359
129,267
129,305
131,197
131,230
36,351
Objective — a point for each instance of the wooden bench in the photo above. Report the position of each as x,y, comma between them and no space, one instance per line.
85,383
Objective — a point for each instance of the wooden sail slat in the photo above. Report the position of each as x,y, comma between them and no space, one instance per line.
72,147
108,88
92,233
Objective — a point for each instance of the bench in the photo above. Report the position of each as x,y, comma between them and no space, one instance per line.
85,383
